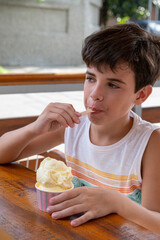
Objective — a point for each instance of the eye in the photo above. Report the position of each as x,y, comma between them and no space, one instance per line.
90,79
112,85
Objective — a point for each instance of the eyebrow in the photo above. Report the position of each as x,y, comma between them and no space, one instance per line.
110,79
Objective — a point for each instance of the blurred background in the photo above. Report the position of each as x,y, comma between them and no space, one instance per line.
50,33
46,36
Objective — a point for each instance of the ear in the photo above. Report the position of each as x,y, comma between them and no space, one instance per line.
143,94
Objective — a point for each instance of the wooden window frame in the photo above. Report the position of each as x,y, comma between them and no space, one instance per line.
41,78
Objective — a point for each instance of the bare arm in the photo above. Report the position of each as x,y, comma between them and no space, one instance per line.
24,142
139,214
147,215
97,202
43,134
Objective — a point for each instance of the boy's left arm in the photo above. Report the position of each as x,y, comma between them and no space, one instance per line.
151,173
147,215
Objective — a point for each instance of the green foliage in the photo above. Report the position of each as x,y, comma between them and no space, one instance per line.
124,10
4,71
123,20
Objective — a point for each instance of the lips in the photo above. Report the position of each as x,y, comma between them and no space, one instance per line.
95,110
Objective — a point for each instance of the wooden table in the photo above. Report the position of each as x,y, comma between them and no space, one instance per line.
21,219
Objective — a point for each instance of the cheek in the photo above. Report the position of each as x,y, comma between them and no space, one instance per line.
86,95
126,103
121,101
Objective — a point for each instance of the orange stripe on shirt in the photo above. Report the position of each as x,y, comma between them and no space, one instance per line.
99,184
106,181
101,173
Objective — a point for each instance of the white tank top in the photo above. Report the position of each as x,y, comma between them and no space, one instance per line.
117,166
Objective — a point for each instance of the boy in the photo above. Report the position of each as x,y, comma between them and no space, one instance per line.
111,148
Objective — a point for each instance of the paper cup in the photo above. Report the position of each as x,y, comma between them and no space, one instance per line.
44,196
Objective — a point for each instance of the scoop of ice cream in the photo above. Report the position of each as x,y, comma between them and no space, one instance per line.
54,175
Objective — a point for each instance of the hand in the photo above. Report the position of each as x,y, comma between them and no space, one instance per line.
93,202
56,115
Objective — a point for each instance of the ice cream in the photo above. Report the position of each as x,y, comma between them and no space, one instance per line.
54,175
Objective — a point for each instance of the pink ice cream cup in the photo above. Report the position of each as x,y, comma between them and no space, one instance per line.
43,197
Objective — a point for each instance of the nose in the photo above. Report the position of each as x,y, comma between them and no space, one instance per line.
97,93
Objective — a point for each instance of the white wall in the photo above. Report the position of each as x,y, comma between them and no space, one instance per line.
45,34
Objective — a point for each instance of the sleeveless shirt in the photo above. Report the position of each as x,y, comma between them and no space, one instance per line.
117,166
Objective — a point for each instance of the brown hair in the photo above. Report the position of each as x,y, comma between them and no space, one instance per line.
128,43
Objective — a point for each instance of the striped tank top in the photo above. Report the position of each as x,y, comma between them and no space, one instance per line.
117,166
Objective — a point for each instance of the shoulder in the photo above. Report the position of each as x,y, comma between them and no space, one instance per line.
151,156
154,141
145,133
150,173
152,150
153,147
143,124
156,133
148,133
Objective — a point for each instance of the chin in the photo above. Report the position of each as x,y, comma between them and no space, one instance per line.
96,120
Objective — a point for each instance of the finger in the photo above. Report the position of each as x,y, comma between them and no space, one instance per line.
67,212
52,117
70,194
61,113
63,205
78,114
68,108
75,115
82,219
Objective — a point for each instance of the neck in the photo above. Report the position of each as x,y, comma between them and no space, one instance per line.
110,133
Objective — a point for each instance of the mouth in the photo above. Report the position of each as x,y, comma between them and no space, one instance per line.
95,110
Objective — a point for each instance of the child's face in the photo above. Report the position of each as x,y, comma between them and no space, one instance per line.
110,94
